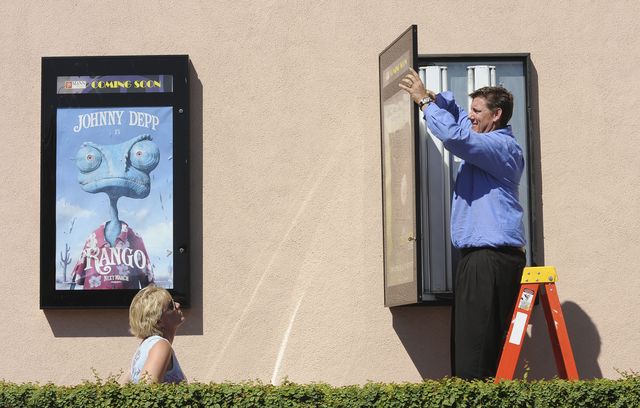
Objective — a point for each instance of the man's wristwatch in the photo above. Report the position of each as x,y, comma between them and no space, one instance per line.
424,101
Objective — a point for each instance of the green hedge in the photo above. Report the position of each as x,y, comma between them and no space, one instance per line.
447,392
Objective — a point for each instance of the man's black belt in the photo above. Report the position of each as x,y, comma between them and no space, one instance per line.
503,249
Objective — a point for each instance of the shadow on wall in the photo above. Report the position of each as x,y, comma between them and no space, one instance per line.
537,354
425,333
115,323
535,166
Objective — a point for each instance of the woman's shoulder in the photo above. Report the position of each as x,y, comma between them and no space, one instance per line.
153,342
159,347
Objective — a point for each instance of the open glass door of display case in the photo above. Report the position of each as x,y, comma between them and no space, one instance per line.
398,117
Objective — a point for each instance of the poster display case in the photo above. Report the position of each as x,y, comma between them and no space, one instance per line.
114,179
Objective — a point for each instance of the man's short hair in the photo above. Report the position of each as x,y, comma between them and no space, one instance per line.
146,310
496,97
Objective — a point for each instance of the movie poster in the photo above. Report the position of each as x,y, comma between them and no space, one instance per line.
114,198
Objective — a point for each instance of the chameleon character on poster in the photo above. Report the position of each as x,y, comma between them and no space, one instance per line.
121,153
114,256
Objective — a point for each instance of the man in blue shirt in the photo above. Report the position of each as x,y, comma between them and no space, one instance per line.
486,218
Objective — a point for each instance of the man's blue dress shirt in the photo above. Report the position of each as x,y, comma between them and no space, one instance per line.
486,211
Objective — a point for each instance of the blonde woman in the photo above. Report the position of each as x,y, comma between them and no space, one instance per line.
154,317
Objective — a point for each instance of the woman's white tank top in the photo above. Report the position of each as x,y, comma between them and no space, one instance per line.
174,375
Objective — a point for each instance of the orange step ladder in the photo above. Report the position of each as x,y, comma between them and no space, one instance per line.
532,280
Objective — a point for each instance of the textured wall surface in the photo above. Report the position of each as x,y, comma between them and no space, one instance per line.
287,239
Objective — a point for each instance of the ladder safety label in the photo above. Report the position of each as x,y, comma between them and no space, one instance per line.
518,328
526,299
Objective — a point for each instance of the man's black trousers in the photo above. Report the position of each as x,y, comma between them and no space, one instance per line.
486,285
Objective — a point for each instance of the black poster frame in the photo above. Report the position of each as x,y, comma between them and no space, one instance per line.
409,292
177,98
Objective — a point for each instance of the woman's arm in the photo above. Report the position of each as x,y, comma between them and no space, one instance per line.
157,362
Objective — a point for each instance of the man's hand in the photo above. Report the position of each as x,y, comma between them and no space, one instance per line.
414,86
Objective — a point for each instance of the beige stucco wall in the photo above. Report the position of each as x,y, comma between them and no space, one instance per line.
287,277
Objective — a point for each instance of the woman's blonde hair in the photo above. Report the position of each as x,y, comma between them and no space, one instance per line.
146,310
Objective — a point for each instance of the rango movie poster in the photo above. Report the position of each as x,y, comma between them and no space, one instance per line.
114,202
